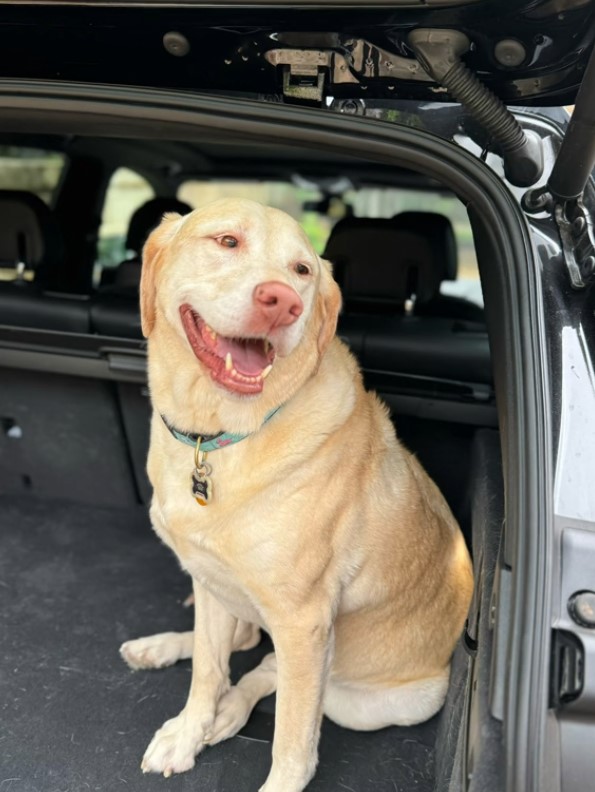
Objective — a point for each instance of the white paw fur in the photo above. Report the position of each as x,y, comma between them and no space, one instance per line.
174,747
154,651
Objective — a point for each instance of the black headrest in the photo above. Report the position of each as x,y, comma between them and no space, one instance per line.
148,216
378,262
437,230
28,231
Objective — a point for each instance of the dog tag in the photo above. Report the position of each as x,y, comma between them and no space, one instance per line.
202,487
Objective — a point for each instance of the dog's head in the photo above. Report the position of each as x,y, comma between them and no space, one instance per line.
243,291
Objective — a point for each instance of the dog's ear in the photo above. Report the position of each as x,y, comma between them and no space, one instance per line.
151,255
330,305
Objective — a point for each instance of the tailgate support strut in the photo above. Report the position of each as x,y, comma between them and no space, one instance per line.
563,194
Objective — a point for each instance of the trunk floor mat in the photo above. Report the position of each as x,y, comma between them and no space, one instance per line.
75,582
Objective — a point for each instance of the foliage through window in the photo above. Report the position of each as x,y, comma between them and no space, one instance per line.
126,192
31,170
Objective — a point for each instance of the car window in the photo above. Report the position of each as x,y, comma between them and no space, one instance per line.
382,202
126,192
318,217
32,170
293,199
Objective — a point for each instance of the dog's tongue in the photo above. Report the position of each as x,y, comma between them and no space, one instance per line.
248,355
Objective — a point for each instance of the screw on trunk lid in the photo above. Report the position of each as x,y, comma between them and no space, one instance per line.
176,44
510,53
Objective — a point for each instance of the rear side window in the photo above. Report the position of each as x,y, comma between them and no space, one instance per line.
126,192
30,170
297,201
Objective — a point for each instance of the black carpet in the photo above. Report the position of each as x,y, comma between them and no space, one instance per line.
75,582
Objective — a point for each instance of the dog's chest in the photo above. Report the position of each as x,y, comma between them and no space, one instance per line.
200,551
217,578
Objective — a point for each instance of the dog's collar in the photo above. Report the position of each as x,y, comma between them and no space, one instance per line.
212,442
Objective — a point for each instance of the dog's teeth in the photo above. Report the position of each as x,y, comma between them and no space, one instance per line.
234,373
266,372
211,332
229,362
267,346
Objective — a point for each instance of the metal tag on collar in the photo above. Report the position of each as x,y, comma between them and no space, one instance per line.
202,486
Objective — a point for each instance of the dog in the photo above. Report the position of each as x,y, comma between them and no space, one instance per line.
307,518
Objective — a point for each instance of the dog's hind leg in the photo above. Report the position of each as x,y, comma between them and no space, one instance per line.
165,649
370,708
236,705
157,651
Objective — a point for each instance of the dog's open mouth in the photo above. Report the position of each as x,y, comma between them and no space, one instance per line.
239,364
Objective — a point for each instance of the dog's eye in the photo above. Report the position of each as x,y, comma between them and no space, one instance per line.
302,269
228,241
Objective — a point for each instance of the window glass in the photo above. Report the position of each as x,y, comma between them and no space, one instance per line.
317,218
126,192
32,170
282,195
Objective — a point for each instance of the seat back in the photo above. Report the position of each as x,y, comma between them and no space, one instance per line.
380,266
30,239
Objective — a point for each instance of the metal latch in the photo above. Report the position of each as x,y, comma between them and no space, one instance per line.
567,668
303,72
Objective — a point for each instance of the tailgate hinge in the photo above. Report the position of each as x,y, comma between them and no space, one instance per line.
578,241
576,232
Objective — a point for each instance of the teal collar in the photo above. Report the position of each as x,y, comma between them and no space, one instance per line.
211,442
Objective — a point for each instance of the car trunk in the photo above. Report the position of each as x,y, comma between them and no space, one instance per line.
82,571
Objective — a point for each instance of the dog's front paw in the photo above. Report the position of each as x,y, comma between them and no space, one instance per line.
233,711
154,651
174,747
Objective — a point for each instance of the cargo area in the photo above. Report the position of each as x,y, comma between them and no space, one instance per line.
81,570
76,582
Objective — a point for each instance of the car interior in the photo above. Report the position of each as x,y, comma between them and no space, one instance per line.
82,568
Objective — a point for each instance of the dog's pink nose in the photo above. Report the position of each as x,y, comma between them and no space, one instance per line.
276,303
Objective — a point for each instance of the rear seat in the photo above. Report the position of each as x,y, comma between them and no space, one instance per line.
437,231
380,265
115,308
30,240
388,275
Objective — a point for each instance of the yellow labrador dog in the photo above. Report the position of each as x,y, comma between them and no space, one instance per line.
306,517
